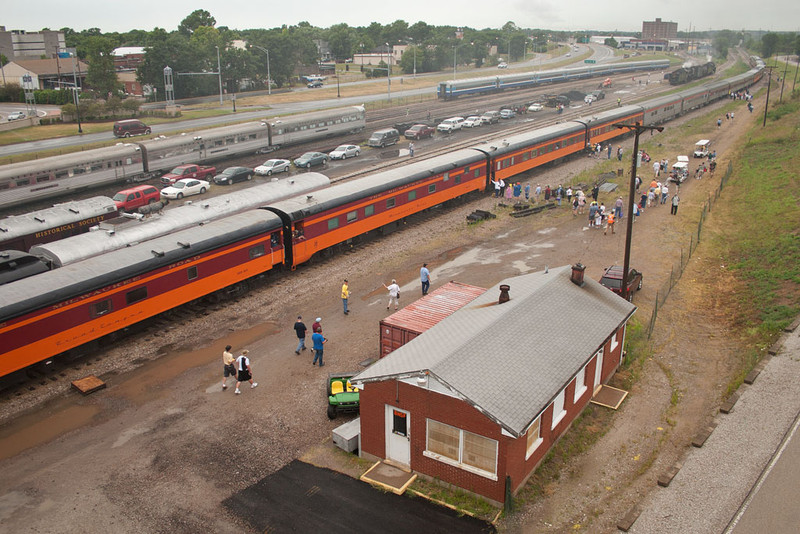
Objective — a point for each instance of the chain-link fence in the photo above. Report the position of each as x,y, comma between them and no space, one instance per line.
677,270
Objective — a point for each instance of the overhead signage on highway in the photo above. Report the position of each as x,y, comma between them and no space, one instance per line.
589,61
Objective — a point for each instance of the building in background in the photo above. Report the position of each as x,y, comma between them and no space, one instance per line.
19,44
659,30
45,73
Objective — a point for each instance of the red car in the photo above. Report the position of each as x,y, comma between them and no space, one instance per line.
612,279
419,131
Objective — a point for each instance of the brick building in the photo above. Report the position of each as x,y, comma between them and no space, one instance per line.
483,395
658,30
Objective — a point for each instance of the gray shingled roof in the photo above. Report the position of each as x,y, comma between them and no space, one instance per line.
510,360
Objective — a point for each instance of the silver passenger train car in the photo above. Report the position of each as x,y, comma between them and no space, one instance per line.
130,162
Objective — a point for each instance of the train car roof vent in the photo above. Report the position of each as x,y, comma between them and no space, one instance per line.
309,197
40,219
184,244
158,253
73,210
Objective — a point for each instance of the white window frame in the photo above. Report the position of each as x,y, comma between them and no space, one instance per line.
459,463
580,384
614,341
559,412
533,445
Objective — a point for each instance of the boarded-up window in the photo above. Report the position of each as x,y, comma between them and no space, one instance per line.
443,439
534,437
461,448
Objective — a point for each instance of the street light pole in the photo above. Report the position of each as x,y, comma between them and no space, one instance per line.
638,129
219,74
455,50
269,78
77,96
388,73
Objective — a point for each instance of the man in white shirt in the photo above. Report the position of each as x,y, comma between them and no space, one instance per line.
394,294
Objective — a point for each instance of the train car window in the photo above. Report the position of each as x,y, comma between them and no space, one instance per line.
431,188
304,127
333,223
44,178
252,136
457,179
279,132
526,156
218,142
445,176
352,216
136,295
191,273
412,195
61,174
96,167
257,251
23,182
101,308
229,140
241,139
369,210
390,203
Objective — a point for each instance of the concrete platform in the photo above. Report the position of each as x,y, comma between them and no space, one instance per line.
389,477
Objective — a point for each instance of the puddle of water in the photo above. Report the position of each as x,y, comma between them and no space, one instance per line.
146,383
32,430
138,386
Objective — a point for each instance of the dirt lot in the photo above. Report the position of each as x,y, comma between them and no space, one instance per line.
162,446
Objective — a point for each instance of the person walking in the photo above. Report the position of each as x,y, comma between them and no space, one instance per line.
394,294
245,374
538,192
425,278
719,124
664,192
345,296
618,208
608,147
527,191
411,150
228,369
609,223
300,330
319,341
675,200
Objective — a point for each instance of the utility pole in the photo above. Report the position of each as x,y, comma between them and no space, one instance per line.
638,129
219,73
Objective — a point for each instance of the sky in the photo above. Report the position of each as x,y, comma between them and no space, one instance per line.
622,16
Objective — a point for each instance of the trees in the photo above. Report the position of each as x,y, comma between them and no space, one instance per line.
196,19
101,77
769,45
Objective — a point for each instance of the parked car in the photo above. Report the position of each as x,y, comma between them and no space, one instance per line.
16,115
314,83
383,138
345,151
472,122
507,113
311,159
233,174
450,125
188,171
491,117
536,106
419,131
598,94
136,197
273,166
185,188
612,279
589,98
342,395
502,65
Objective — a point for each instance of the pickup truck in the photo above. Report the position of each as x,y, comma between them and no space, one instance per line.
188,171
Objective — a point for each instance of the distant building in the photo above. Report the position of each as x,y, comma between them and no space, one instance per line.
658,30
45,73
19,44
128,57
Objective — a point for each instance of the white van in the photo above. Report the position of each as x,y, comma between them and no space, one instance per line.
701,148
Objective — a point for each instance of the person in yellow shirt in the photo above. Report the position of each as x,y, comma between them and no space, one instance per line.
345,296
228,369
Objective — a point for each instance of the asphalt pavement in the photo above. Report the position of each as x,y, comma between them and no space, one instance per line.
746,477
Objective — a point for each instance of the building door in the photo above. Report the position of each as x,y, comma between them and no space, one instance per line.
598,370
398,435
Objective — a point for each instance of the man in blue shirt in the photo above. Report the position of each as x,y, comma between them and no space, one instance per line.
425,278
319,341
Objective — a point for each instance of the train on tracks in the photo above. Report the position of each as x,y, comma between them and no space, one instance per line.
56,176
65,308
689,74
452,89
